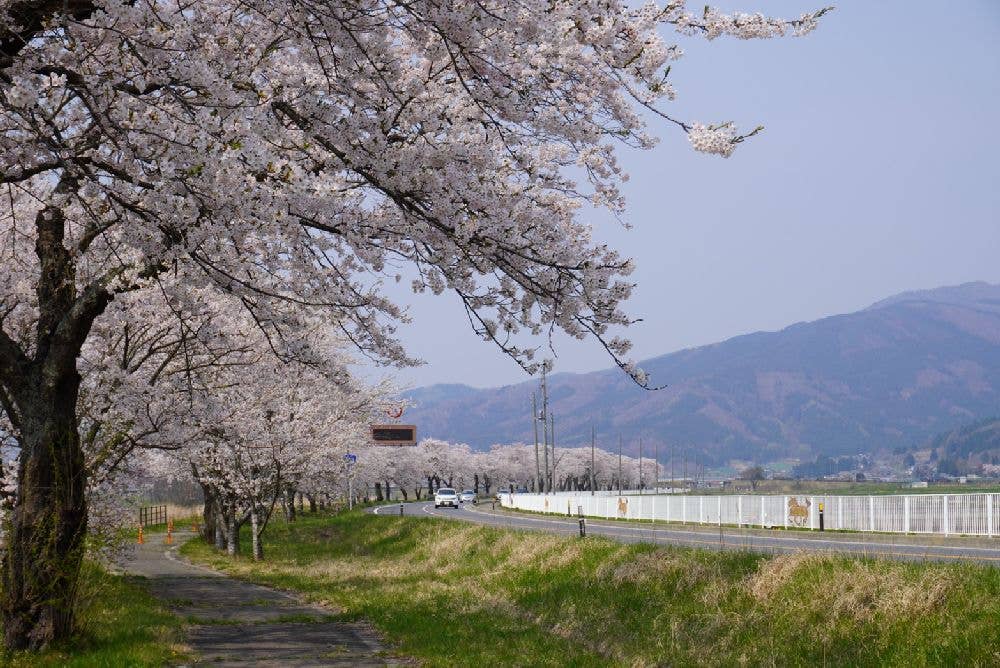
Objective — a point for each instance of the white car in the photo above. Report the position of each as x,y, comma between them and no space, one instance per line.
446,496
467,495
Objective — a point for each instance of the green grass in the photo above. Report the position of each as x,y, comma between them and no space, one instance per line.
449,593
120,625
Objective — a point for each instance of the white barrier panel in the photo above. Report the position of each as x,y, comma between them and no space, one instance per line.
945,514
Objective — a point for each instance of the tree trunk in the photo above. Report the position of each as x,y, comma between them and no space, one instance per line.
255,528
288,503
220,528
232,533
312,502
378,491
208,513
48,523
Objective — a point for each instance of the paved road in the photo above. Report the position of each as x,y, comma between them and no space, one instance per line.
234,623
890,546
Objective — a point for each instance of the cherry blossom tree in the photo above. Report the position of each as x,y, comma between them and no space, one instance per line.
291,154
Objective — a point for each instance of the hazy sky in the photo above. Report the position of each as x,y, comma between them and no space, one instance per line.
877,173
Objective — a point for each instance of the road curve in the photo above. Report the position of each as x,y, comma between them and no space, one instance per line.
887,546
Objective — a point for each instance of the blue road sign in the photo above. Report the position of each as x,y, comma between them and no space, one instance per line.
351,458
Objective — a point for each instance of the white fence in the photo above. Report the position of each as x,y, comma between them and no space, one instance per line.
945,514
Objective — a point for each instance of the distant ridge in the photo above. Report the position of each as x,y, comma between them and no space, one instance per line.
894,374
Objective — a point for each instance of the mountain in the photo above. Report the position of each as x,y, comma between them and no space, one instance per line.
978,441
892,375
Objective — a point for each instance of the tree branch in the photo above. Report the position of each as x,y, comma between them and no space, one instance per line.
29,19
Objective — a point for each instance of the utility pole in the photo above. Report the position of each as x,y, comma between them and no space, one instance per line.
546,485
552,431
656,467
534,422
619,464
685,469
671,467
640,465
593,475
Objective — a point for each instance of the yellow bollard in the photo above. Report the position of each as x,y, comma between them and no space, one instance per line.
170,537
141,540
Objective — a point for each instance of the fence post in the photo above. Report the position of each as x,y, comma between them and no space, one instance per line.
944,500
906,512
784,511
701,510
720,510
989,515
763,517
739,511
871,513
684,509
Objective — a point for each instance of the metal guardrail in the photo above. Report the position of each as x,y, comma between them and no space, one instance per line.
943,514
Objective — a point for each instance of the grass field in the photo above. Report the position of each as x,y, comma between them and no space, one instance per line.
449,593
120,625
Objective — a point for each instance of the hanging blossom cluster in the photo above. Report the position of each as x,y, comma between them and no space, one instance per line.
717,139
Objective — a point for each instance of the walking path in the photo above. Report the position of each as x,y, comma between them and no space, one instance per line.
234,623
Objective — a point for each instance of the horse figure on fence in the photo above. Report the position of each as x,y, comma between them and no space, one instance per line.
622,507
798,513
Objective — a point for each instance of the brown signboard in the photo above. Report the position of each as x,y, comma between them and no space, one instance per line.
394,434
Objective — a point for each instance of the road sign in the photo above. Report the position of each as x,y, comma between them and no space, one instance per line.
394,434
351,458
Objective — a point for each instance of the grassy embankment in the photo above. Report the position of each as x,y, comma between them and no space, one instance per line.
120,625
450,593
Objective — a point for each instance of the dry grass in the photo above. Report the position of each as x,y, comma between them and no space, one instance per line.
454,594
856,590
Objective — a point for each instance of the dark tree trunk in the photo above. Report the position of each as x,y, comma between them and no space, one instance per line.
378,491
208,513
312,502
475,483
48,524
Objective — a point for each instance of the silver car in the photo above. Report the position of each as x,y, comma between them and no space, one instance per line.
446,496
467,496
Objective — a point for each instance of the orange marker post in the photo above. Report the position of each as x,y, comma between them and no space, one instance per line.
141,540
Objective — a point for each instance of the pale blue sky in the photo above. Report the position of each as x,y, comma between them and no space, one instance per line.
877,173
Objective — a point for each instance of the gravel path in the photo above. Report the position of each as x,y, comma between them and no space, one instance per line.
234,623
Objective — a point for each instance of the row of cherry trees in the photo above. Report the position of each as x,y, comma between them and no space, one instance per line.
410,472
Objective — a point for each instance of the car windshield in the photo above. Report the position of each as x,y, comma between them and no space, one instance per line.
468,491
445,490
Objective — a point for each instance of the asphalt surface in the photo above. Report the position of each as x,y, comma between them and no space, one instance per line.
888,546
235,623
